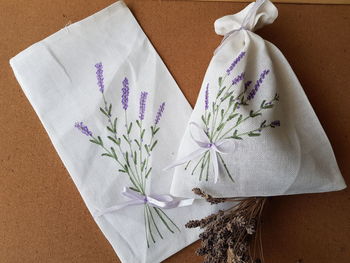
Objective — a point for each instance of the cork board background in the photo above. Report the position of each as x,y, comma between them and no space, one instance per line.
43,218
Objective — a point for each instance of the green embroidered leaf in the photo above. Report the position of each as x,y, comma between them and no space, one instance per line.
262,125
143,165
232,99
125,138
147,174
104,112
129,128
220,81
142,133
115,124
127,158
107,154
126,168
156,130
153,145
262,104
220,92
236,106
239,119
138,144
235,136
134,189
227,96
138,123
209,115
220,126
110,109
222,113
100,140
112,139
203,119
110,129
94,141
122,171
232,116
253,134
146,147
268,106
114,154
254,114
135,157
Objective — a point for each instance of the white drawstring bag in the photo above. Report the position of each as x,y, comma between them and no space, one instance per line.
253,131
115,116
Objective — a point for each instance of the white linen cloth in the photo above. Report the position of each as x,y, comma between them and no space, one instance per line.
71,78
253,131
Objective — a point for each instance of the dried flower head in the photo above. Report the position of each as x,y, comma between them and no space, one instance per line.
229,236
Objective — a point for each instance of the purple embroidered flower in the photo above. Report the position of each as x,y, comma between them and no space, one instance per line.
238,78
99,75
83,128
143,99
275,123
125,93
235,62
258,83
159,113
207,97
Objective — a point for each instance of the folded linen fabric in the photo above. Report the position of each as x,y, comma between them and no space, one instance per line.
109,105
253,131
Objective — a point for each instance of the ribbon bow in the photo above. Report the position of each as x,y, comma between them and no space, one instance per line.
205,144
160,201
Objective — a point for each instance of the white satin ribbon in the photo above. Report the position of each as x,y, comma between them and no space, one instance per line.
205,145
160,201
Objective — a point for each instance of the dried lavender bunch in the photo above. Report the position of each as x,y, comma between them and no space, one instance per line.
231,236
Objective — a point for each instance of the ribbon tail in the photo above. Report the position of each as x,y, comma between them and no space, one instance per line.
170,204
117,207
215,165
187,158
185,202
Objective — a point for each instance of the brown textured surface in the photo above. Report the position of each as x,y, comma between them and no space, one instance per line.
43,218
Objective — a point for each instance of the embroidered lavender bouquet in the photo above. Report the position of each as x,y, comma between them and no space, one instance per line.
127,146
222,119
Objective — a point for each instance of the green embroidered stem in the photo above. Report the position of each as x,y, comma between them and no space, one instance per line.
154,222
194,169
225,167
162,219
145,221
